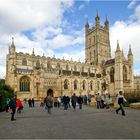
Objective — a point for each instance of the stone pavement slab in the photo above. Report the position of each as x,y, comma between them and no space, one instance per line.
88,123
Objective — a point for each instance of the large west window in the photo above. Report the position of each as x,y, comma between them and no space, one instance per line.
66,84
75,84
24,84
112,75
124,73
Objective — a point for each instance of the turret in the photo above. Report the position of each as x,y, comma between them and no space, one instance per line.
118,47
97,20
123,55
131,73
87,27
106,24
33,52
130,56
118,69
11,65
12,48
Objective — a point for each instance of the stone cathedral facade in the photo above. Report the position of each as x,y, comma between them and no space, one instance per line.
35,76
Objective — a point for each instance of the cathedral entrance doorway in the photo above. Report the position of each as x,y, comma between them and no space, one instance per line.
50,92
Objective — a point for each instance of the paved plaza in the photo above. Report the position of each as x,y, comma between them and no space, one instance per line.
88,123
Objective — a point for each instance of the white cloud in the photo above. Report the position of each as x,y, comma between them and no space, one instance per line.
19,15
127,32
42,17
49,31
66,40
82,6
137,13
60,40
132,4
75,55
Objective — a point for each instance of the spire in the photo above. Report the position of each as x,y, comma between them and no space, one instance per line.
33,53
97,19
87,24
118,47
130,51
123,54
106,23
106,20
97,16
13,45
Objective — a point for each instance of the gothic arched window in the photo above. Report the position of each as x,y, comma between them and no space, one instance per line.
58,65
67,67
124,73
75,68
37,64
112,75
98,85
49,65
89,70
24,84
90,55
82,68
84,85
66,84
24,62
91,85
75,84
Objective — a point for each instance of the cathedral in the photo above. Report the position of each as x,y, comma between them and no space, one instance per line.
34,76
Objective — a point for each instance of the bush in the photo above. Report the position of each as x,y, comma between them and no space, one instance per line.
133,97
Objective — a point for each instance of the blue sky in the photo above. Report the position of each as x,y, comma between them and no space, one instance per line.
56,27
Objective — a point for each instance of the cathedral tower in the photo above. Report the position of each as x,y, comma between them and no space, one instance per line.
97,43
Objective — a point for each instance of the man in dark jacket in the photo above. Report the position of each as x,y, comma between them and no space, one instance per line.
12,105
80,101
73,101
120,101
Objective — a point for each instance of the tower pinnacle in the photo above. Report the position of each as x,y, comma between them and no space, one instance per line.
118,46
87,24
12,45
33,52
130,51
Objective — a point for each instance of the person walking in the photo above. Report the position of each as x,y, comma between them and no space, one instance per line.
85,99
33,102
73,101
80,101
30,102
65,102
19,106
12,105
59,101
120,100
49,103
7,104
98,100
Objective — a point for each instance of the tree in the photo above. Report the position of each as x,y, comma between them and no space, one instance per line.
5,92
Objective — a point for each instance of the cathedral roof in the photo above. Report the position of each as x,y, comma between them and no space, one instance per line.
24,70
111,61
